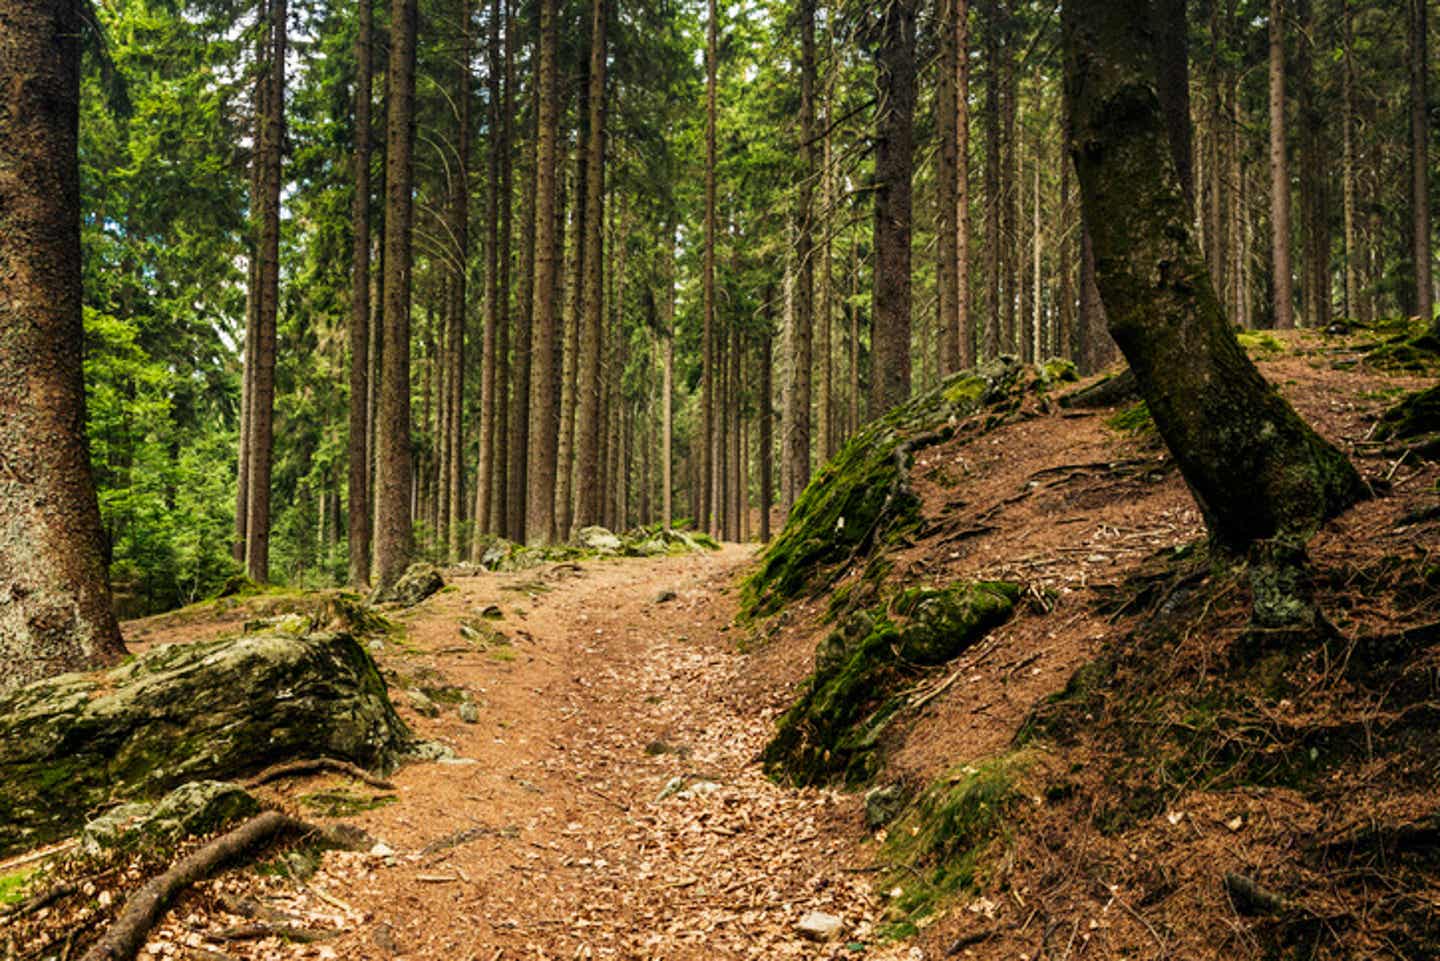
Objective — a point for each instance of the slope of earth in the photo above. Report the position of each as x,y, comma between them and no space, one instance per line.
1086,778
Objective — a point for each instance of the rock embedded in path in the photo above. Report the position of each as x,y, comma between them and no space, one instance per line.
422,704
185,712
883,803
664,597
419,581
819,926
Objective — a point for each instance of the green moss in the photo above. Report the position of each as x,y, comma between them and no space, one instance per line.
1260,343
1134,420
1417,414
342,803
940,846
833,730
1058,370
15,886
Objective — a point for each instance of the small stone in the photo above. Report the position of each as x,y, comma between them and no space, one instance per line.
422,704
819,926
468,712
598,539
664,597
883,803
382,850
376,646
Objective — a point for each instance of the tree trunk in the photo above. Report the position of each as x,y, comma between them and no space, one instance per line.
544,421
394,469
589,371
991,341
667,413
484,464
1314,232
890,341
451,509
802,360
946,179
964,325
1279,174
824,326
359,447
1347,170
518,436
1419,162
500,499
1256,469
767,423
261,425
567,460
56,615
707,337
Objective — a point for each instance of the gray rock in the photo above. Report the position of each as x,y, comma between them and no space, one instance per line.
422,704
74,743
664,597
883,803
198,807
419,581
819,926
468,712
597,539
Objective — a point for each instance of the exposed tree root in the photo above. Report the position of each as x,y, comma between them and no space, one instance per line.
148,905
317,764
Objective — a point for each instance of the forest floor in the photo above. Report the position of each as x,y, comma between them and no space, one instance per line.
605,798
550,834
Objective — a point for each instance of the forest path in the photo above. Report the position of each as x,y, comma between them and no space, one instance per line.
551,836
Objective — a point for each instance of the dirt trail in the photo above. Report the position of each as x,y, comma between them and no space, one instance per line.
548,835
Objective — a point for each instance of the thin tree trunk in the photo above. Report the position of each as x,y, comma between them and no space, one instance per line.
890,341
358,517
590,371
667,414
518,438
484,463
703,520
946,181
393,480
1419,162
802,361
767,426
567,459
262,397
500,498
452,481
1347,172
991,346
1279,174
964,325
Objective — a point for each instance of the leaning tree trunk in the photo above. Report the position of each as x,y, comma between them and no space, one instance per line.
55,613
1256,469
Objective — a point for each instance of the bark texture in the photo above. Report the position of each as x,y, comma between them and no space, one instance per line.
1256,469
55,612
359,447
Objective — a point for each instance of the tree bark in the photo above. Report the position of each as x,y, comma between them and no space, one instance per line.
544,420
567,459
767,422
1256,469
589,371
964,324
991,341
894,156
261,425
667,414
394,467
1419,162
1279,175
802,360
946,181
358,508
518,436
451,481
55,611
1347,171
703,520
484,466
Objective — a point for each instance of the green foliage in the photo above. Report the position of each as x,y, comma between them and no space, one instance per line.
1134,420
15,886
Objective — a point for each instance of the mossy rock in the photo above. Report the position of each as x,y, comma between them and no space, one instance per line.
195,808
76,743
832,732
419,581
862,495
1418,354
1415,416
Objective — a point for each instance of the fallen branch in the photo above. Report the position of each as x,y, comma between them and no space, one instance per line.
256,931
148,905
314,765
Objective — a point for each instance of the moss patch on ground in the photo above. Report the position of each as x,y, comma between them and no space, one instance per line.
941,844
861,669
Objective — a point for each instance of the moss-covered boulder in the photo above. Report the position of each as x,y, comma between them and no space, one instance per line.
1415,416
197,807
863,495
832,731
419,581
77,743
